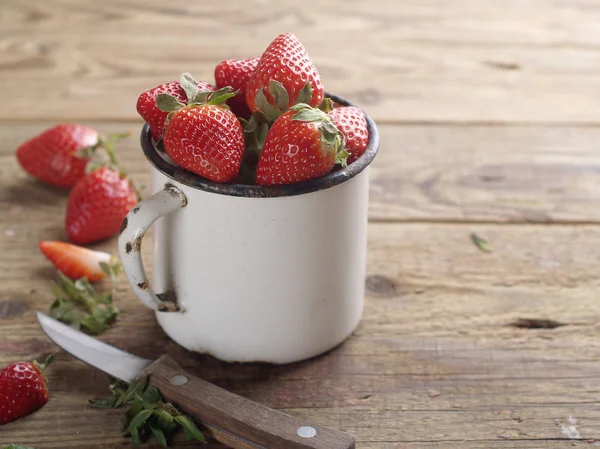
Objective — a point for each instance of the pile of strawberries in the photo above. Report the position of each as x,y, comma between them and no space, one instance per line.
73,156
265,122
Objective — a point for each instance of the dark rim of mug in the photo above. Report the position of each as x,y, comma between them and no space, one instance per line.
253,191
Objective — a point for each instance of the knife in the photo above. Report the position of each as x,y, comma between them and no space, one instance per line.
226,417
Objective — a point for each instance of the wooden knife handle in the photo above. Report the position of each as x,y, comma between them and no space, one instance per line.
236,421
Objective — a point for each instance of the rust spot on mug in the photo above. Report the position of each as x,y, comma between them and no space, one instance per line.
168,307
134,245
378,285
143,285
123,226
176,193
169,302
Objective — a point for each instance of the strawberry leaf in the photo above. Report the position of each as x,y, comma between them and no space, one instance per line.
148,415
305,95
266,108
280,95
189,85
159,435
201,96
326,105
310,115
138,421
17,446
191,431
80,306
341,157
167,103
222,95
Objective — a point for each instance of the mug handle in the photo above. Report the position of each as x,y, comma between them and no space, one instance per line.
133,228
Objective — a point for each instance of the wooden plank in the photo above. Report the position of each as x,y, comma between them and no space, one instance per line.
420,61
537,174
423,173
434,363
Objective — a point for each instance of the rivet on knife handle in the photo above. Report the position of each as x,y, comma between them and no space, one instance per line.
239,422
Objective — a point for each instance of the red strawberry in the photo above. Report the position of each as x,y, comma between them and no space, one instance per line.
146,104
302,144
77,262
284,76
352,123
97,205
23,390
236,73
52,155
204,137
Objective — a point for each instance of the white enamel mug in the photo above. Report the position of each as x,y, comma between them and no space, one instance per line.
249,273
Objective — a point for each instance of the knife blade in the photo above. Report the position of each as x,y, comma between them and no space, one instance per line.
227,417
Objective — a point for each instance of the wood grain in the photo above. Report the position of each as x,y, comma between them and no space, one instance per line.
489,120
421,61
433,361
223,412
431,173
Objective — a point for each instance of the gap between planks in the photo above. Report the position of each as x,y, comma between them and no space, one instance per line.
398,122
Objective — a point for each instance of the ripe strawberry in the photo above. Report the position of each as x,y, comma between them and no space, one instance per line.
77,262
52,156
302,144
352,123
236,73
146,103
204,137
284,76
23,390
97,205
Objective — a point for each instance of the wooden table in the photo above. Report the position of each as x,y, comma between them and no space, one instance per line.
489,116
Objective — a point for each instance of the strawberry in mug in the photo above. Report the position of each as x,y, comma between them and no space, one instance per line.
253,127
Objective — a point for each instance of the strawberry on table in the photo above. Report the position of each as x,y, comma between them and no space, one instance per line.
302,144
54,156
23,390
97,206
146,103
236,73
204,137
284,76
78,262
352,123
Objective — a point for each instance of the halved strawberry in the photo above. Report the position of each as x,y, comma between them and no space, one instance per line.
76,261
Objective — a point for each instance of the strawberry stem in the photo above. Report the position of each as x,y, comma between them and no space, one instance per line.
43,366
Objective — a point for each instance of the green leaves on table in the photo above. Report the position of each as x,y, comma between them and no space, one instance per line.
148,415
80,306
17,446
481,243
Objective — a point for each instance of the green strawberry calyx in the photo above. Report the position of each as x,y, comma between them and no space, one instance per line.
78,305
281,98
330,134
107,158
44,365
148,415
196,98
